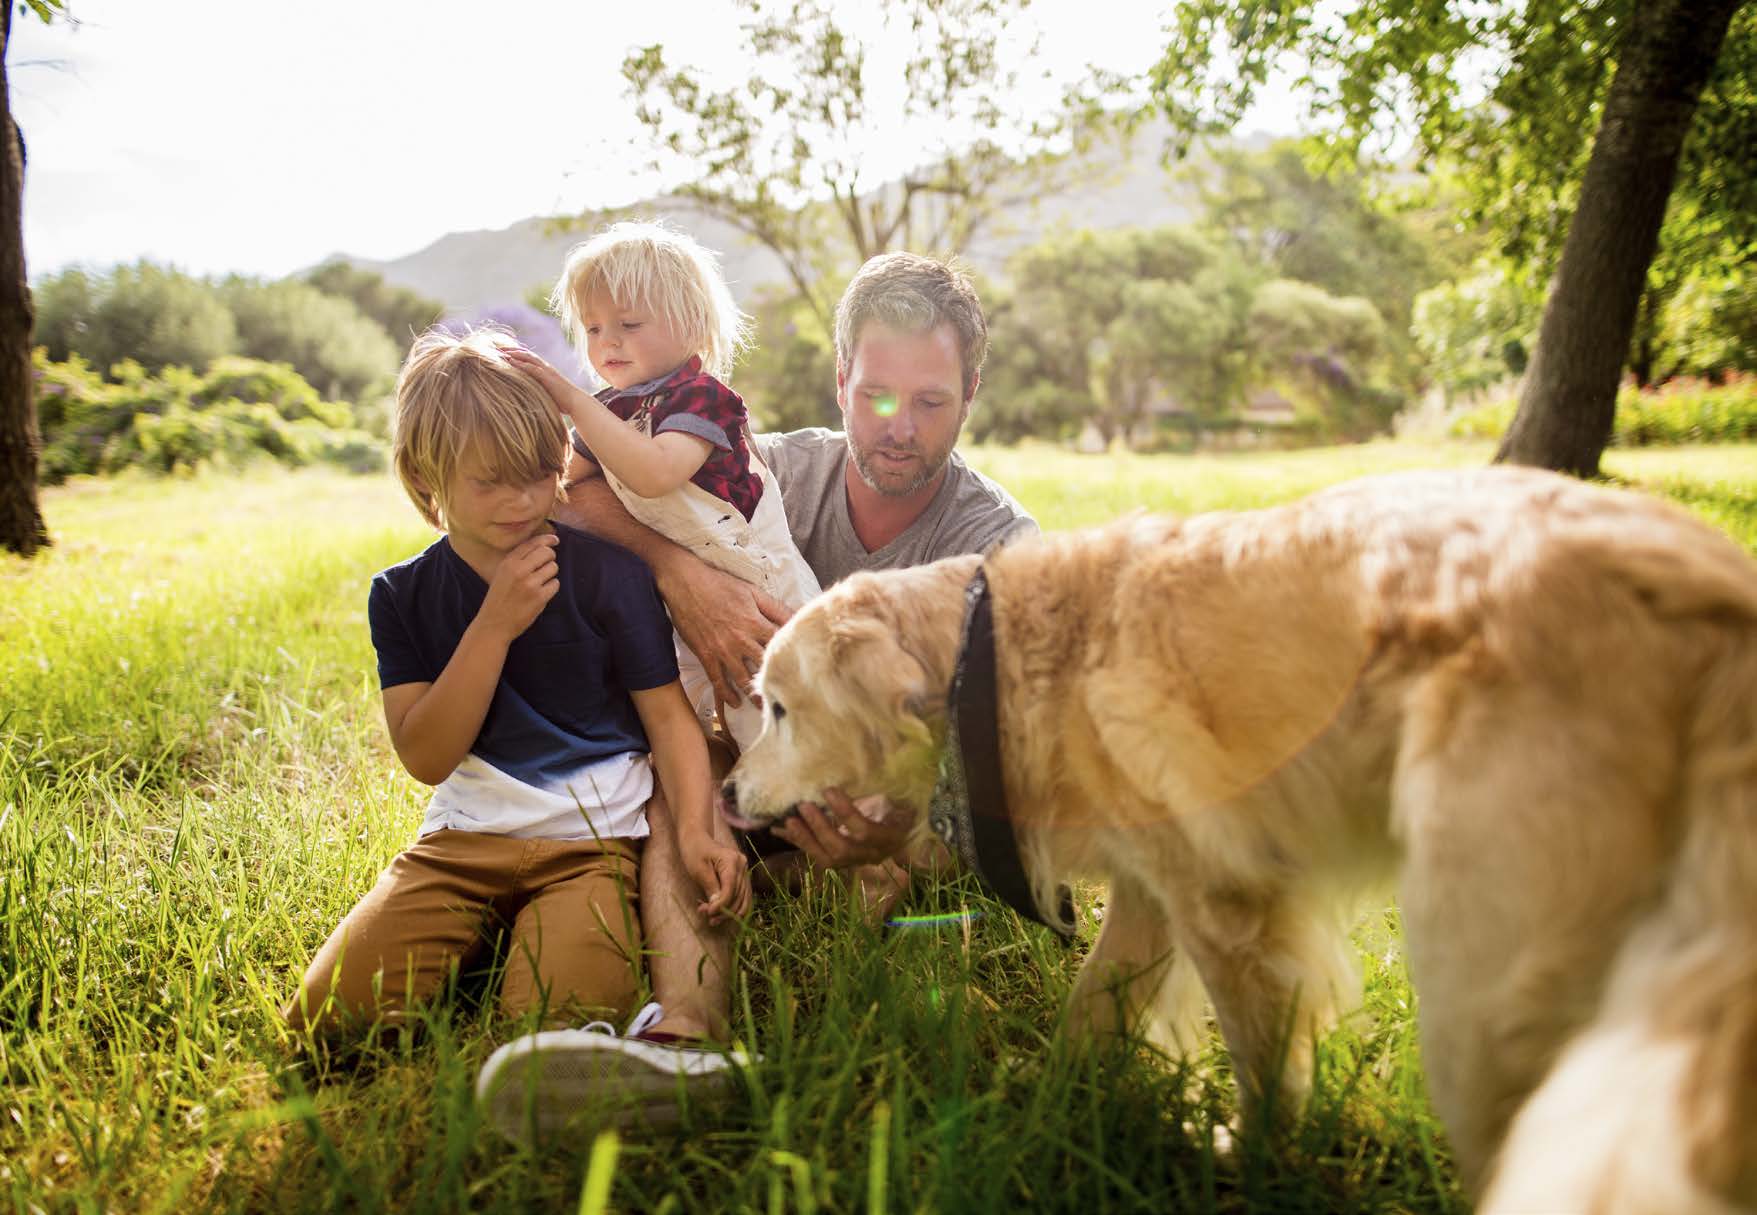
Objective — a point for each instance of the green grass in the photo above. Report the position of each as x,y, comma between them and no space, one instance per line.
195,786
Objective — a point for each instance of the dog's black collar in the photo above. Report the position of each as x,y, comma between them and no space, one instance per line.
971,816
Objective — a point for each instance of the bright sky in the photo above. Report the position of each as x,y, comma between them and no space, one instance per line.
260,136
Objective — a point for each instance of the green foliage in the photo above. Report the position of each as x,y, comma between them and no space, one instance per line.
1709,326
1683,410
275,384
153,315
158,317
1128,327
1294,217
1502,102
1104,326
1477,331
326,338
178,421
788,377
1327,350
402,313
1508,93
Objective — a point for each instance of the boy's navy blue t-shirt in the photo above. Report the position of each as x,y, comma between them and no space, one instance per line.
563,696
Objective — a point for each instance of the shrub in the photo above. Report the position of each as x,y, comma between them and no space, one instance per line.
178,421
1683,410
275,384
1687,410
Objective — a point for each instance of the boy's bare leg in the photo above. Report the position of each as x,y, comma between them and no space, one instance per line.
688,960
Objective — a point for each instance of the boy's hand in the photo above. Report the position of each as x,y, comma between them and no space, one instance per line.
722,873
523,583
563,391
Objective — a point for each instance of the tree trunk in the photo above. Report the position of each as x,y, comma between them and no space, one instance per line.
1644,343
21,522
1570,397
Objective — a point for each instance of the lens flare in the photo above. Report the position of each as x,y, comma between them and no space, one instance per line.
933,921
885,406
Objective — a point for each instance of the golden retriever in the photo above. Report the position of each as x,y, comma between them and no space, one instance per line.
1530,702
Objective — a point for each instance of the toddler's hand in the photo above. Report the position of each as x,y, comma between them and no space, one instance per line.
523,583
722,873
563,391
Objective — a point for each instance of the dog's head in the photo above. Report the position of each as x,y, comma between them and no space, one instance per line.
853,690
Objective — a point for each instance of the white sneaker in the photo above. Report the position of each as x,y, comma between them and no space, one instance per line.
543,1082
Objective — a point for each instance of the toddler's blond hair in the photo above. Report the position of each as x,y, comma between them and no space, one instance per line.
650,265
458,396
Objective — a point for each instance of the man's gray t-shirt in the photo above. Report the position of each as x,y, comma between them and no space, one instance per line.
968,514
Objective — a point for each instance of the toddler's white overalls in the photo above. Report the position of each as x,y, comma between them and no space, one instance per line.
759,550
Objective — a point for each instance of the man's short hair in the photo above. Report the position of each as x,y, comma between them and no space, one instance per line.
913,294
650,265
458,397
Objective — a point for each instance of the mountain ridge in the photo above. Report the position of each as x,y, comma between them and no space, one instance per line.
1126,186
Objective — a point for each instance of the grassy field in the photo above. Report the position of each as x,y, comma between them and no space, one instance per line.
195,786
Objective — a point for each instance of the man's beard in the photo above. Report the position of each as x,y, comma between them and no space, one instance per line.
932,462
928,469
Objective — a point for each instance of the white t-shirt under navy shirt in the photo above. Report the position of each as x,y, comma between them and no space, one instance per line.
561,753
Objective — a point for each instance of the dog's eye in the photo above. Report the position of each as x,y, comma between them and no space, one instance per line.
780,710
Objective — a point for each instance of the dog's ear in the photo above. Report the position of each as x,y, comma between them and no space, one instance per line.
851,632
865,645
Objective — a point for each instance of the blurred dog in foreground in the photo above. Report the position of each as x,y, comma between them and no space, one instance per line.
1530,703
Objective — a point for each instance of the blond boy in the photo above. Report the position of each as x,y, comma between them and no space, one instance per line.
528,675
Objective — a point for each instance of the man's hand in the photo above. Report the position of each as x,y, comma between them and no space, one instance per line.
524,581
841,834
724,620
721,871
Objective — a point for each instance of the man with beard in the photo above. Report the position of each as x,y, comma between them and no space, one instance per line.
886,492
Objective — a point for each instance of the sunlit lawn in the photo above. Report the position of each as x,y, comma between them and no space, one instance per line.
194,787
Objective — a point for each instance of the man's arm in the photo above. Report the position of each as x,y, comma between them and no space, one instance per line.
724,620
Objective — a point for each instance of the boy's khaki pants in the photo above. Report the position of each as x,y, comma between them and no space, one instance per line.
573,945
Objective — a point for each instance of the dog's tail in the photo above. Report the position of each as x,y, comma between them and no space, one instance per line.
1653,1108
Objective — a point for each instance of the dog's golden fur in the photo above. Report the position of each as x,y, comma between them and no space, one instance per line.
1530,702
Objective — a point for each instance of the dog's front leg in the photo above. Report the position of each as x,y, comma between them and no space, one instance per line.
1136,979
1274,969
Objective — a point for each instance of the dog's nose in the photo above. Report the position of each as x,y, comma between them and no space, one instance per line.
729,797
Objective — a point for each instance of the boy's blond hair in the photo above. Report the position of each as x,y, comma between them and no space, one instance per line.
650,265
458,396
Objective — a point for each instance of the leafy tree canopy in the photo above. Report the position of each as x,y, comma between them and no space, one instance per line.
1502,99
1587,136
1326,225
324,337
786,153
154,315
1099,324
158,317
403,313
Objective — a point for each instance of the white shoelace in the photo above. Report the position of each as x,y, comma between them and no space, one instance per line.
649,1015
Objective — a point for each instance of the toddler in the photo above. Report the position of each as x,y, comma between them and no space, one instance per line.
648,308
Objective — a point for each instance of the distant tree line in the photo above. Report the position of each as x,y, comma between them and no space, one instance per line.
344,330
146,367
1292,287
